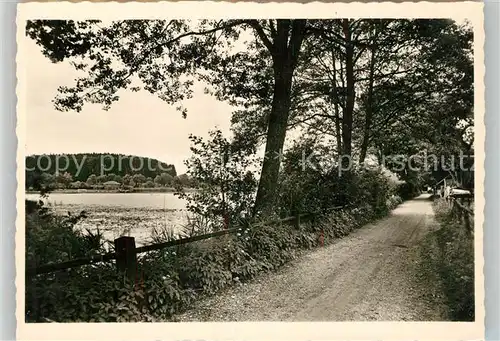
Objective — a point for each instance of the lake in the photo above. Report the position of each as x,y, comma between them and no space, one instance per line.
138,200
140,215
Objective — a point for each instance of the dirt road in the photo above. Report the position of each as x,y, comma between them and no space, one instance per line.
372,274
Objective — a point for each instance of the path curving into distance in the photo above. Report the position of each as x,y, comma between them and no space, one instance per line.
369,275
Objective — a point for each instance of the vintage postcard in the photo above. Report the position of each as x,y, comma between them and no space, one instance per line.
244,171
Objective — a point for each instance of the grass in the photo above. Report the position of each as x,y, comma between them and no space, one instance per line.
448,253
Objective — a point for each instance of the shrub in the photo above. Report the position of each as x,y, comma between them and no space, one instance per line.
225,187
393,201
67,295
89,293
53,238
313,191
407,190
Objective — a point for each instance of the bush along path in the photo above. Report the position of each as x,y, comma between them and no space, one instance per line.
371,274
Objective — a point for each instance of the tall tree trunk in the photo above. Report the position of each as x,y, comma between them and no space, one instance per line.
276,132
338,137
369,108
285,51
350,92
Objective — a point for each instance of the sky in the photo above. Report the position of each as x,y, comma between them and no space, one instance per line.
138,124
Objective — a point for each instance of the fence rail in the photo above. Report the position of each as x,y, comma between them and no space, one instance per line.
125,252
53,267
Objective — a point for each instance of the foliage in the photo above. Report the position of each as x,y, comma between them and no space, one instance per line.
72,296
408,190
225,187
393,201
450,254
149,184
307,185
53,238
164,179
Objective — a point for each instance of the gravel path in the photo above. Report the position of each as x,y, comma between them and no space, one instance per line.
372,274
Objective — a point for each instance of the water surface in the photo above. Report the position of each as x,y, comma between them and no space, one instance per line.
137,200
122,214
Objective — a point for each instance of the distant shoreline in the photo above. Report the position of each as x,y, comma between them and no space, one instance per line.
104,191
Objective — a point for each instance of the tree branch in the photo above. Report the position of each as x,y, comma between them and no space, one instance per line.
262,35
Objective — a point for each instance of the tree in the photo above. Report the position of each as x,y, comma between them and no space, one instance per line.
139,179
395,74
126,180
64,179
101,179
284,47
92,180
182,180
48,181
430,108
157,180
81,166
164,179
225,187
339,66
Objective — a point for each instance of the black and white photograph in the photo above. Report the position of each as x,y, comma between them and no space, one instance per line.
325,166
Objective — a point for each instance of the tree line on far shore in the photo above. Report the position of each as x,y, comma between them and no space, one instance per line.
99,171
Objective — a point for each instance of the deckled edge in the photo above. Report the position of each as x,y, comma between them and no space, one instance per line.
21,91
256,1
17,276
481,70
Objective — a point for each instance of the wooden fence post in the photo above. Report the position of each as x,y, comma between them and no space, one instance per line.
297,221
126,257
467,222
